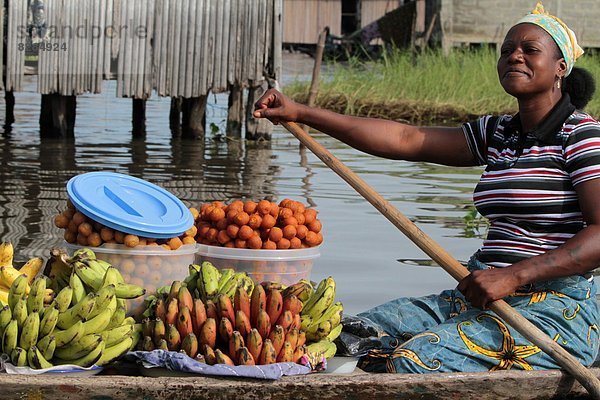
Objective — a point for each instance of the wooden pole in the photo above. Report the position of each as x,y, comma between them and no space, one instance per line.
138,117
193,117
448,263
235,111
57,115
175,116
314,83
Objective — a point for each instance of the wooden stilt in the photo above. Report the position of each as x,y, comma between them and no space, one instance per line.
235,111
57,115
256,128
9,100
175,116
138,116
193,120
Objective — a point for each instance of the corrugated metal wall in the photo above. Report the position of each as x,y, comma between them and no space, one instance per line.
176,47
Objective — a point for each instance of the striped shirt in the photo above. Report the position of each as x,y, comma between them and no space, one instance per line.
527,190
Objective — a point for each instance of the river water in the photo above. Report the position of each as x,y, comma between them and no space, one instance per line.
370,259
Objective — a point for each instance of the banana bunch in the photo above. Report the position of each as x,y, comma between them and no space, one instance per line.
84,324
321,319
8,273
212,282
197,316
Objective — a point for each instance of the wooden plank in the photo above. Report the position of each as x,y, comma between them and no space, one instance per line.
148,72
277,38
177,49
117,23
218,63
198,45
156,60
109,19
191,50
170,46
141,55
205,59
225,43
2,15
232,45
183,47
212,43
122,16
129,50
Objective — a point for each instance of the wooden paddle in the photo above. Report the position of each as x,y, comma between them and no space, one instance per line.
448,263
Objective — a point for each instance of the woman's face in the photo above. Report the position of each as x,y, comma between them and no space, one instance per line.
530,62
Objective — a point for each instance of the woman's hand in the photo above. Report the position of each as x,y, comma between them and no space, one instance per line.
482,287
276,107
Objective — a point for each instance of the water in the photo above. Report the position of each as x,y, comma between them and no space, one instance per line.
361,248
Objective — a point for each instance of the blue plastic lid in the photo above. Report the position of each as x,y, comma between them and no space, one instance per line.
129,204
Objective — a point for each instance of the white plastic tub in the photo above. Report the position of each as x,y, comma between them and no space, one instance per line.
285,266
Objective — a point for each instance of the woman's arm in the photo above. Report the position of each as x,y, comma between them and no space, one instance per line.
379,137
577,256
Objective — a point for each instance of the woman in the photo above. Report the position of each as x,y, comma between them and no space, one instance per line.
539,191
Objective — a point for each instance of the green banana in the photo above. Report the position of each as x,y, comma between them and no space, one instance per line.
111,277
96,266
36,360
89,276
19,312
63,299
318,331
106,297
35,300
17,290
47,346
128,291
30,330
68,335
335,332
88,359
314,297
192,278
324,347
49,320
18,357
226,275
5,317
111,353
208,281
79,348
79,311
84,253
332,314
10,337
117,318
99,322
76,284
306,321
322,304
115,335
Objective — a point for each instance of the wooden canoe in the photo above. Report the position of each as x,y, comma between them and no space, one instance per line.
513,385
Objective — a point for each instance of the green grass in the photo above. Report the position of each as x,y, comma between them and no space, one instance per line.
429,87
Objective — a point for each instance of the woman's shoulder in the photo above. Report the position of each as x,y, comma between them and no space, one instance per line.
579,117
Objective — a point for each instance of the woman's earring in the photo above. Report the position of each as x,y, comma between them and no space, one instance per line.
558,84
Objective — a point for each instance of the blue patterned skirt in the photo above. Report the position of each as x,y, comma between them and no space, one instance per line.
444,333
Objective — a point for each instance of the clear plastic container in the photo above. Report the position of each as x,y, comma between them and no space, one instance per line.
148,266
285,266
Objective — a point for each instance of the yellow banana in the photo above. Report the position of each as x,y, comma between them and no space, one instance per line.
32,268
106,296
10,337
49,320
208,281
30,330
318,331
112,353
323,348
3,296
226,275
89,276
335,332
36,360
6,254
316,296
322,304
111,277
128,291
333,314
68,335
117,318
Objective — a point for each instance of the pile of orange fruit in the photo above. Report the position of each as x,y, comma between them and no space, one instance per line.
259,225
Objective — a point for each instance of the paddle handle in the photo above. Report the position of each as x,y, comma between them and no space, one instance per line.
447,262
